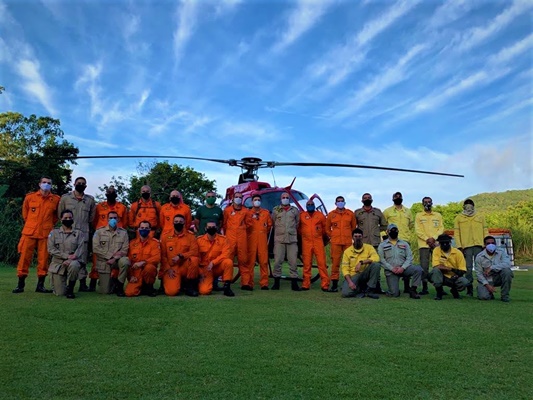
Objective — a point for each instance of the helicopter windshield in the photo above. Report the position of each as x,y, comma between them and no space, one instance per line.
271,199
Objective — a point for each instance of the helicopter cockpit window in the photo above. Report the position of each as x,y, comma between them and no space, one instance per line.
272,199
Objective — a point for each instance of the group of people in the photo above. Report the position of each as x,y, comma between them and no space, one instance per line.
190,255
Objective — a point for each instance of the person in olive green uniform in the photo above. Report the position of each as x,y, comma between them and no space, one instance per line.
66,246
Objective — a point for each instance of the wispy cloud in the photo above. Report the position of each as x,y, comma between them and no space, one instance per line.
35,85
450,11
95,144
225,6
302,18
186,25
184,121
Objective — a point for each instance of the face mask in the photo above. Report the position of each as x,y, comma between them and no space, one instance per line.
178,226
393,234
112,223
445,246
358,243
237,200
469,209
80,188
398,201
67,222
491,247
145,195
310,207
144,232
111,197
427,206
285,202
175,200
340,204
45,187
211,200
257,203
211,230
367,203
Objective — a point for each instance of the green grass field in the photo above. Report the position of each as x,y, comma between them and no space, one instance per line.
264,345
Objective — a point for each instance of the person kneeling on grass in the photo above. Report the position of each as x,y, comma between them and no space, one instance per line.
449,266
493,268
144,255
360,268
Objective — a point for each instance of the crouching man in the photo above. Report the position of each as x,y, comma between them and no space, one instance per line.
493,268
66,246
110,246
144,256
449,266
360,268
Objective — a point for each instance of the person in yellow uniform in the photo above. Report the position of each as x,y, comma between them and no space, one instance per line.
448,268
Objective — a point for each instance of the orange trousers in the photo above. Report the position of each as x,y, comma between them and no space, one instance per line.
257,251
223,269
188,269
315,248
239,249
94,272
26,248
146,274
336,257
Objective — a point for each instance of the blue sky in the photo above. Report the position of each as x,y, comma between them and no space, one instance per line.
433,85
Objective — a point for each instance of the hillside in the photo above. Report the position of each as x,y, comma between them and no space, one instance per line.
499,201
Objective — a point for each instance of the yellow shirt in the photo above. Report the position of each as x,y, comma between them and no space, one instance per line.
469,231
403,218
428,225
352,256
454,259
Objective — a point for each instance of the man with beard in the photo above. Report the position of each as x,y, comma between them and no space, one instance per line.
360,268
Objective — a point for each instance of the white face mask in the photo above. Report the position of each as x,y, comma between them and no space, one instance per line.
237,200
257,203
285,202
45,186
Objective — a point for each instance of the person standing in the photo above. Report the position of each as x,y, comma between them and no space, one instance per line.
208,212
39,212
170,210
83,208
371,221
469,230
339,226
145,209
259,225
493,268
400,216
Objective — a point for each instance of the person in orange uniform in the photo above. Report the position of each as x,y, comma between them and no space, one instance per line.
312,229
215,260
258,228
169,210
101,220
146,209
144,254
179,259
234,225
39,212
339,226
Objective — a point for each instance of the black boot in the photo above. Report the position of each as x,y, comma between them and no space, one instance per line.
372,293
92,285
150,291
83,285
440,292
119,288
378,289
191,288
227,290
20,285
70,290
455,293
217,288
424,289
470,290
294,285
275,286
406,288
40,286
334,286
413,294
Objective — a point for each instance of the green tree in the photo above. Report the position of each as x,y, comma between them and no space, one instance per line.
121,187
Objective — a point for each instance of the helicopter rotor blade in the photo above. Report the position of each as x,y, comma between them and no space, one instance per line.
172,157
303,164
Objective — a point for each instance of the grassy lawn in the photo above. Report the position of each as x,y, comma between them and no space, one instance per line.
263,345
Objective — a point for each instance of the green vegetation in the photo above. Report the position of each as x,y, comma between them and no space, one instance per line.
282,345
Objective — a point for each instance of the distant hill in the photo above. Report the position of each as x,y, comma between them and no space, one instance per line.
499,201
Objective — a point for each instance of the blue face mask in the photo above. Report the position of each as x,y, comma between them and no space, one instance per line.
113,223
340,204
144,232
310,207
491,247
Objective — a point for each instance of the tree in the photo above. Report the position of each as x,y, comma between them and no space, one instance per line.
121,187
164,177
31,147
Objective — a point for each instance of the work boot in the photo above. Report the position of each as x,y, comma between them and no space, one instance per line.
150,291
372,293
275,286
425,289
470,290
161,289
40,286
92,285
264,288
455,293
378,289
83,285
439,293
217,288
190,289
294,285
406,288
247,287
334,285
227,290
413,294
20,285
119,288
70,290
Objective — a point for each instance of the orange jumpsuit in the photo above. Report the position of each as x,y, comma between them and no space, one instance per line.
339,227
40,215
149,251
100,220
187,267
145,211
167,214
235,224
217,252
312,228
259,225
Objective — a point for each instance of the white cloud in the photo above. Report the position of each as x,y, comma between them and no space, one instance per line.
508,53
450,11
34,84
225,6
186,121
186,25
